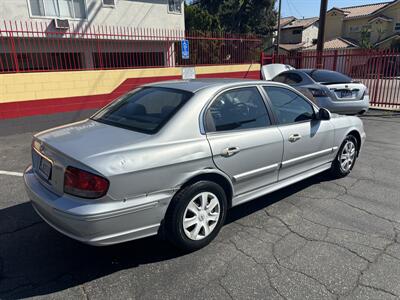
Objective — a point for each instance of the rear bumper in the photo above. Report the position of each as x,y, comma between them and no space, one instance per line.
131,222
344,106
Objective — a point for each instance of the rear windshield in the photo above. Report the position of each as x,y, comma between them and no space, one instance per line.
324,76
146,109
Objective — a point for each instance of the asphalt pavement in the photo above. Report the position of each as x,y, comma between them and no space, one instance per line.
318,239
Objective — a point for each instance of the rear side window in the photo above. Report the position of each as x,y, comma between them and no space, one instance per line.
288,106
325,76
145,110
241,108
288,78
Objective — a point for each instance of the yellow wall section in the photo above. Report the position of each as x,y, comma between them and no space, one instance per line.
49,85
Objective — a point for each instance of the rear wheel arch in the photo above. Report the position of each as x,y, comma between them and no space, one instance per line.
220,179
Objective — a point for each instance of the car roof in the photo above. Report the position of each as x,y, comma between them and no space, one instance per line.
194,85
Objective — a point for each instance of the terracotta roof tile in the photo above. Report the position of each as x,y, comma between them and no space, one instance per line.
363,10
291,47
338,43
381,16
304,23
287,20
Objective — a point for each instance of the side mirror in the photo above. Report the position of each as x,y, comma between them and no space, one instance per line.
323,114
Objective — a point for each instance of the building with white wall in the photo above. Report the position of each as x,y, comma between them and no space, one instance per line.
299,33
112,33
161,14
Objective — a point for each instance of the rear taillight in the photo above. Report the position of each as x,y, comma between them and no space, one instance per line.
318,93
84,184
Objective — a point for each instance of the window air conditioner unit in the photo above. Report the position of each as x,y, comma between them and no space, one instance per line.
109,2
61,24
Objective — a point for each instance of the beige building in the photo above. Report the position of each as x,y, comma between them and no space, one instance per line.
374,25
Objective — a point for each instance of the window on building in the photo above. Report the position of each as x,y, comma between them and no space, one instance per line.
355,28
397,27
41,61
74,9
297,31
109,3
113,60
175,6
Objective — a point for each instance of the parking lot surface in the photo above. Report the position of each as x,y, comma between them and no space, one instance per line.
318,239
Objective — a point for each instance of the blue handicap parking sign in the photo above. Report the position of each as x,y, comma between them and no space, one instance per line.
185,49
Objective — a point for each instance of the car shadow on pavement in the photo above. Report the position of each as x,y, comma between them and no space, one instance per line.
36,260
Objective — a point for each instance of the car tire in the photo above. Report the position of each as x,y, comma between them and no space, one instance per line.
195,203
348,152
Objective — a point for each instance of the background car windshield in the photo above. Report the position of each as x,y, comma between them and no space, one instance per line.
325,76
146,109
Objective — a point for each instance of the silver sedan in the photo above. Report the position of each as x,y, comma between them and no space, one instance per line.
173,157
329,89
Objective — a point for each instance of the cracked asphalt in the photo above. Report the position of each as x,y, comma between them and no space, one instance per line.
318,239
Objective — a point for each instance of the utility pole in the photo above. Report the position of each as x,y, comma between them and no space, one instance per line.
278,36
321,32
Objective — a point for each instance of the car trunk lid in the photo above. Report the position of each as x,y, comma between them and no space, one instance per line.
268,72
347,91
78,145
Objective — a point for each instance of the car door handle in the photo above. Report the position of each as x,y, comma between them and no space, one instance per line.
294,137
230,151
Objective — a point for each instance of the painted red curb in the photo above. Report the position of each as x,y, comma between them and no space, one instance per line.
19,109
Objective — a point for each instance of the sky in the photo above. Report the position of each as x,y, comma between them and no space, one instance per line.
310,8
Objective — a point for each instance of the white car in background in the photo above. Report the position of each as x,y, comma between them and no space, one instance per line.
328,89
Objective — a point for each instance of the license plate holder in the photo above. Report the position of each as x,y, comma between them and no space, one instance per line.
346,94
45,167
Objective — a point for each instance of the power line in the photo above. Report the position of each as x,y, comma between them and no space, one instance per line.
290,11
294,7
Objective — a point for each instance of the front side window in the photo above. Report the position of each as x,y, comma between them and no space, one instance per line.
236,109
144,110
74,9
175,6
288,106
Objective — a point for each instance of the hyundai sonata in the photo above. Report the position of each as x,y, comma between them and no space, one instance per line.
173,157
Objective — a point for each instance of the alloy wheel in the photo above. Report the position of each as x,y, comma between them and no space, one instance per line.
201,216
346,158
